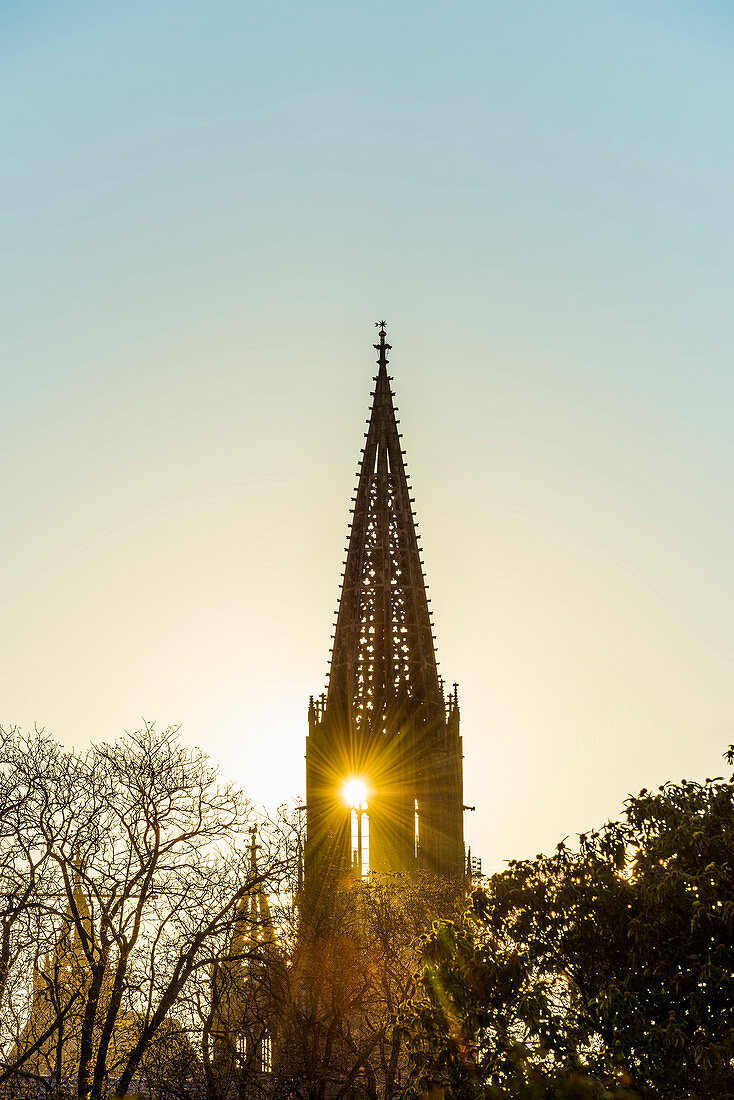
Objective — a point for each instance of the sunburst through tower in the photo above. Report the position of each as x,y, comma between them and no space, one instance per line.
383,752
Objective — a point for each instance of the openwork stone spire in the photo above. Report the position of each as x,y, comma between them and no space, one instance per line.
383,753
383,649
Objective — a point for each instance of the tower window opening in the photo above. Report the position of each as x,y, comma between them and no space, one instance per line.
416,829
266,1054
365,824
361,841
355,838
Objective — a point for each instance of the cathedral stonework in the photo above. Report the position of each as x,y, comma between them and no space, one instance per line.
384,789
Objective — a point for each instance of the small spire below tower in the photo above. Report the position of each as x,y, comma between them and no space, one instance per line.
253,924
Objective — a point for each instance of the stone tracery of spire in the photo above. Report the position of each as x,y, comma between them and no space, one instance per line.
383,648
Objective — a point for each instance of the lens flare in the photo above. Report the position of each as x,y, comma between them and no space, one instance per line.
354,792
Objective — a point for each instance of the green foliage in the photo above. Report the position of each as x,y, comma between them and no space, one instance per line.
589,971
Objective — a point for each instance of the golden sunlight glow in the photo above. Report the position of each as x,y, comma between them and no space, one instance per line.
354,792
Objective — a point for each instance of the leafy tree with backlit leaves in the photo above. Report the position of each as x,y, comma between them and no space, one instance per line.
606,966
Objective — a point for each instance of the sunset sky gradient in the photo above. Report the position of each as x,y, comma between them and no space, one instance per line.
205,208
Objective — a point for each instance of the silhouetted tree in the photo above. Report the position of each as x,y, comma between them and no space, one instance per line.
170,1068
136,858
605,966
350,965
31,925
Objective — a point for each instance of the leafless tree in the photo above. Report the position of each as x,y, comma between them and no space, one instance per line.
135,859
29,921
132,957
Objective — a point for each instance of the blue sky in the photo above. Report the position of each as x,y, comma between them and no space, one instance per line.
204,209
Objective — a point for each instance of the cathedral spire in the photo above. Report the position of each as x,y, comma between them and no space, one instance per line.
383,646
385,729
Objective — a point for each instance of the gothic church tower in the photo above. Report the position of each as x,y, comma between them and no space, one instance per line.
383,754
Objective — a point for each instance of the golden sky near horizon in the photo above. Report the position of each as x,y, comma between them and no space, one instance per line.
205,213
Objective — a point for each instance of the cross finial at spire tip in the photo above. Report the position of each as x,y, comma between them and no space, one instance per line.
383,347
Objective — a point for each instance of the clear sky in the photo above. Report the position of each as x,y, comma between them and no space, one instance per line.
205,206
